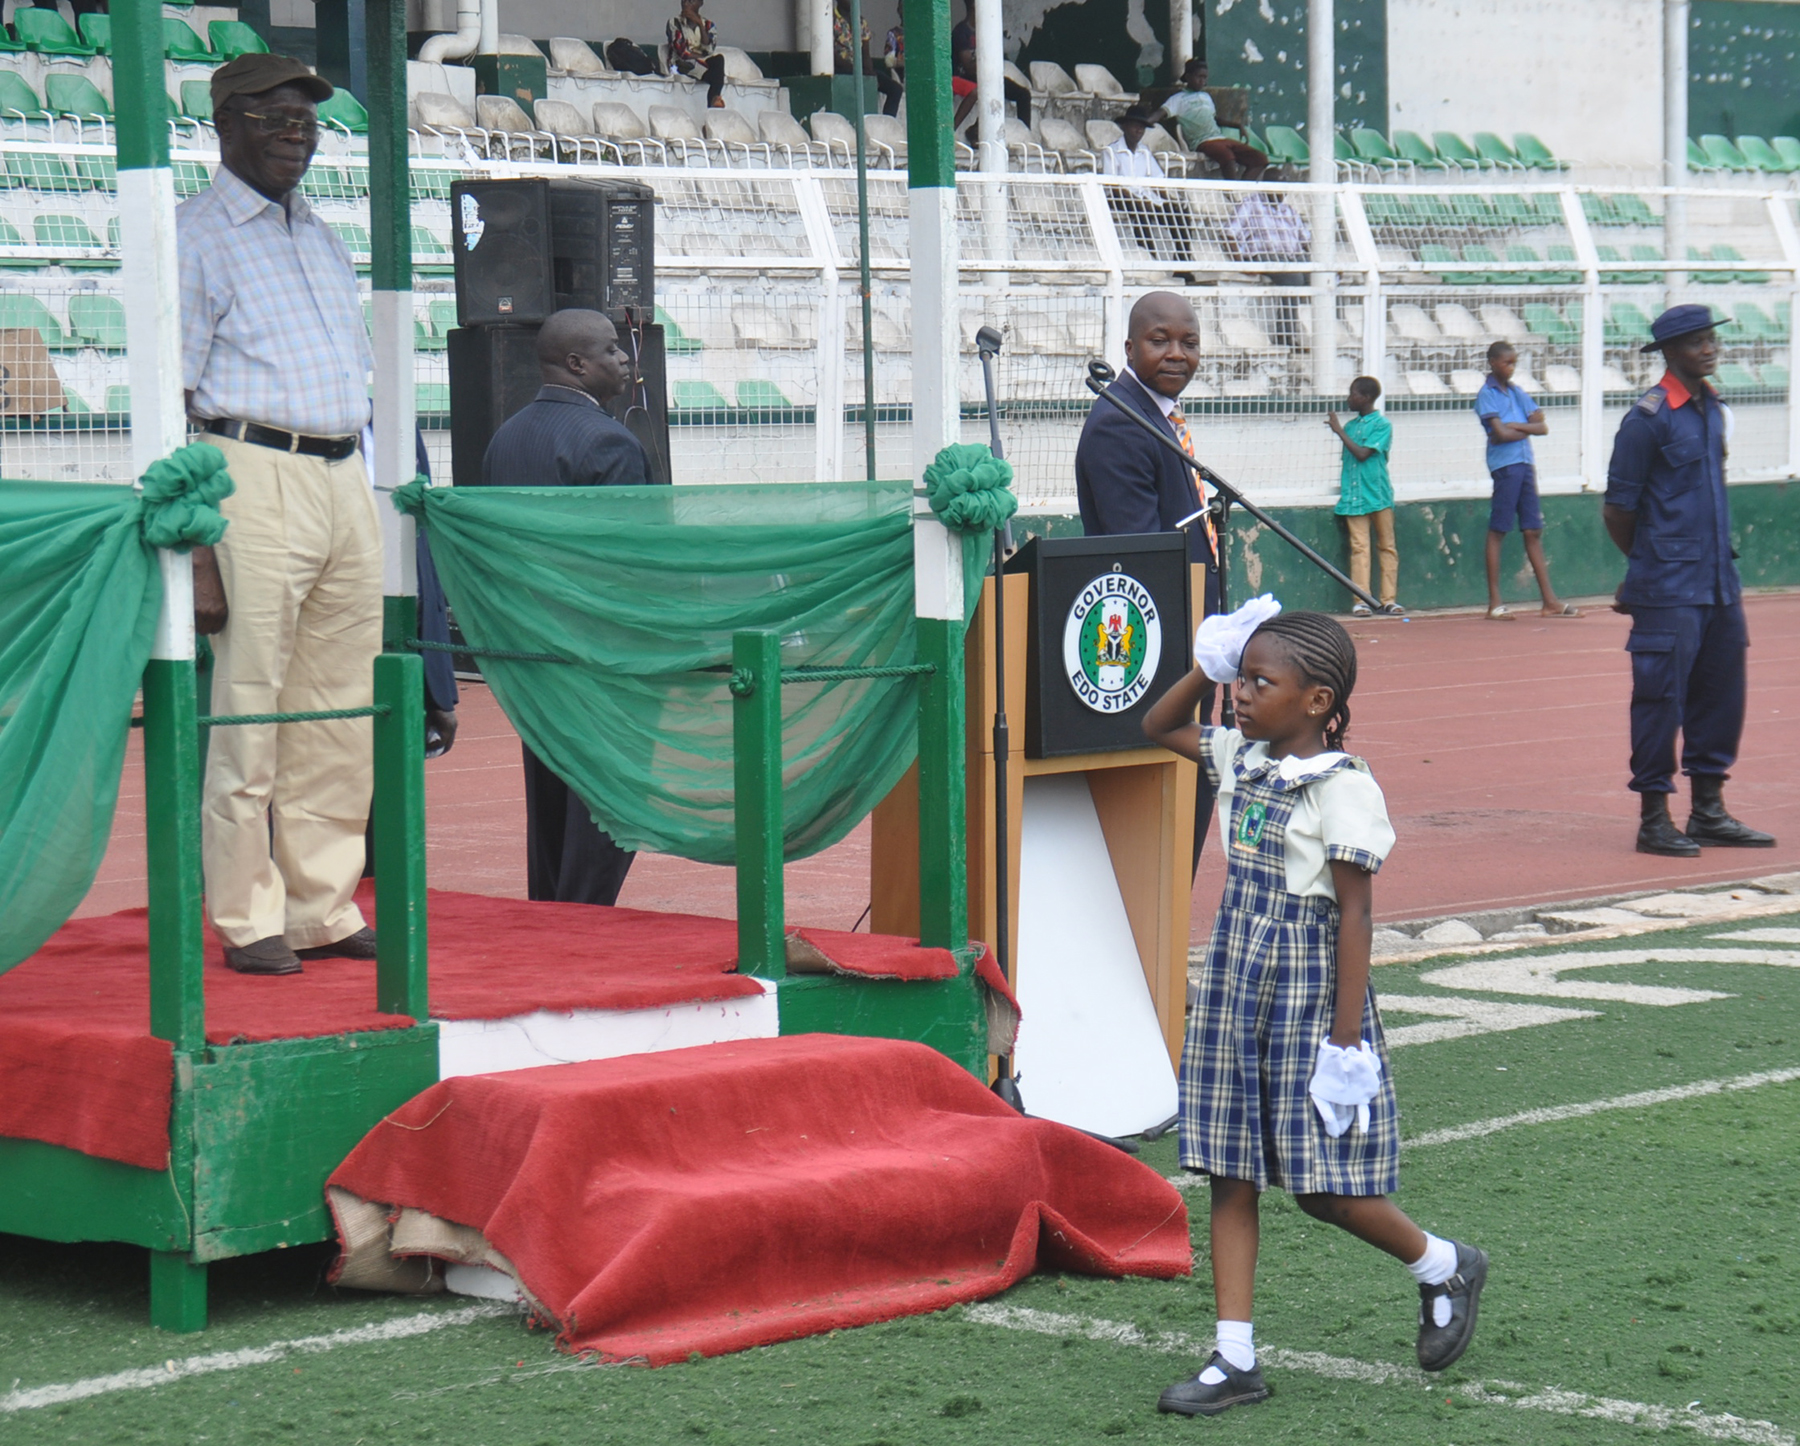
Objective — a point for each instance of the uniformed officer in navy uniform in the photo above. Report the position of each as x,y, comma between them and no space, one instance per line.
1667,511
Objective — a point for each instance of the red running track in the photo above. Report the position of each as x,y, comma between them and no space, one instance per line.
1501,746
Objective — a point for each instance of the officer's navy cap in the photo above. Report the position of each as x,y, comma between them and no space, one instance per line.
1679,321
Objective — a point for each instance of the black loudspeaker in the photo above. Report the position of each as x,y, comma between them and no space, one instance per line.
644,408
526,248
493,373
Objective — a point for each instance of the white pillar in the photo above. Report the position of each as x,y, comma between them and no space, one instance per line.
490,28
1181,36
824,54
990,86
1592,450
1675,136
936,313
1321,125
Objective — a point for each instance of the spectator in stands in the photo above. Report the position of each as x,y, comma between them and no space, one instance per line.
565,438
1141,207
1511,419
845,53
1366,496
1191,108
1265,228
894,56
276,363
962,73
694,51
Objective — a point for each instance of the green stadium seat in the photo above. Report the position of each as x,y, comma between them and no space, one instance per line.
1458,152
1736,377
232,38
1486,256
1723,154
19,309
63,234
1600,210
1614,278
1723,252
1562,253
1372,148
8,45
697,396
762,396
344,109
18,99
75,95
1763,157
324,182
1475,210
38,171
443,317
1643,251
74,404
1788,148
1634,210
118,400
98,320
99,171
1287,147
1413,147
431,253
356,240
1784,316
10,237
1774,377
196,100
424,338
1627,325
1341,149
1697,159
182,45
430,185
1514,209
1754,324
1534,153
1495,151
191,178
1433,253
44,30
1546,321
432,399
676,342
96,30
1384,209
1549,210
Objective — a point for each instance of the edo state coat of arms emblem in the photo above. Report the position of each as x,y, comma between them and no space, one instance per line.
1112,642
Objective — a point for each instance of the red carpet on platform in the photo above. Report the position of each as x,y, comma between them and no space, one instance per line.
734,1195
78,1066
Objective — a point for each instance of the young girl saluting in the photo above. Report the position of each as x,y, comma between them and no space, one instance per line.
1284,1075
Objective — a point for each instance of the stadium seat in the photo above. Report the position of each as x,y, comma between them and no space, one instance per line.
1735,377
232,38
8,45
1634,210
1774,377
1433,253
191,178
118,400
1372,148
1062,138
99,171
443,316
98,320
1725,252
196,100
761,396
1492,149
355,239
96,30
780,130
1723,154
425,337
1546,321
344,109
431,399
1475,210
1484,256
1788,148
1763,157
1627,325
676,342
1287,147
43,29
74,404
1426,384
18,99
19,309
431,253
1534,153
10,237
1560,252
697,396
1614,278
1097,80
63,234
180,44
1049,78
74,95
1697,159
1453,148
38,171
1466,382
1754,324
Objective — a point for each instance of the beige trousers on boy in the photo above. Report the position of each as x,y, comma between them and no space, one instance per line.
301,563
1358,528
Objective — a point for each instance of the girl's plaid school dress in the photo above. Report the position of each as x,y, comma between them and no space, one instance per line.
1269,986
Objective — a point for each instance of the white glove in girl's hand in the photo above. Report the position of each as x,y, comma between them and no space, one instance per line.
1343,1084
1219,644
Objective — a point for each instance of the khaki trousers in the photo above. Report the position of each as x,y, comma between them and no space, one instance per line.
301,563
1358,528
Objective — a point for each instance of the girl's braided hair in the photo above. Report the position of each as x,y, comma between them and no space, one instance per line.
1320,648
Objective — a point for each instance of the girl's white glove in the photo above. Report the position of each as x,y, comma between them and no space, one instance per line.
1219,643
1343,1084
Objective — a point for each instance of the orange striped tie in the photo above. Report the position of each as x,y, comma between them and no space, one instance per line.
1186,438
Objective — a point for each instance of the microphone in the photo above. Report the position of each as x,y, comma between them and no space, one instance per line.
987,341
1100,376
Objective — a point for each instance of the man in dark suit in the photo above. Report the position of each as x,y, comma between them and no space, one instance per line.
565,438
1126,483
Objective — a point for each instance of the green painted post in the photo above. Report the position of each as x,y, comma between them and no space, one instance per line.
399,814
172,837
177,1293
943,822
756,763
930,106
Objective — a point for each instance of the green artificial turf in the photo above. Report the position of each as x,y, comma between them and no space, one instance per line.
1643,1255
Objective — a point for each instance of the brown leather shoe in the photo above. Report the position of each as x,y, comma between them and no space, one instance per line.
265,956
360,945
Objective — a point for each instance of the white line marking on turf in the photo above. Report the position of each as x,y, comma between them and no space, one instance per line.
1553,1113
1553,1399
1763,936
398,1329
1456,1018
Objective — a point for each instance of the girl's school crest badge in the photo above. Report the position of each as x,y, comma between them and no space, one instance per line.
1251,818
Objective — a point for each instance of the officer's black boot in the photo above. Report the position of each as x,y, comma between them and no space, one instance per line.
1657,833
1708,823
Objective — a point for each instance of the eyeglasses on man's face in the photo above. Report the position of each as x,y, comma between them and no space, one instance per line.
277,124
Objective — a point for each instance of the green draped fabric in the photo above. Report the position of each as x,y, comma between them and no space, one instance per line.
640,589
79,595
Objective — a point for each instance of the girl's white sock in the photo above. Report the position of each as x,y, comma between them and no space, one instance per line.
1236,1342
1437,1264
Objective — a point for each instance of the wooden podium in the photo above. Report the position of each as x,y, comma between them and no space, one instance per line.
1142,797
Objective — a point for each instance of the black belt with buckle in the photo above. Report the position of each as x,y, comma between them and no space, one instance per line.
332,449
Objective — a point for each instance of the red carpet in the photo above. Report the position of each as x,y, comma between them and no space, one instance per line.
78,1066
734,1195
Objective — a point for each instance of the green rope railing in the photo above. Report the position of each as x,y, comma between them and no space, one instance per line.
743,683
419,645
238,720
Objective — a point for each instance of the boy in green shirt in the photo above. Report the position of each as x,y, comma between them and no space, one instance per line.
1365,495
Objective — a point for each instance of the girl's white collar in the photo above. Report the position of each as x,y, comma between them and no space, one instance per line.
1292,768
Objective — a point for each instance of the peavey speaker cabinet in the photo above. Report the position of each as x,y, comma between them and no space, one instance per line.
526,248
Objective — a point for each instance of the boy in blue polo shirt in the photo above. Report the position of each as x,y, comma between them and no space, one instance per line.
1511,419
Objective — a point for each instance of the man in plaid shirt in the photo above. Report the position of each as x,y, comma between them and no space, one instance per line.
276,364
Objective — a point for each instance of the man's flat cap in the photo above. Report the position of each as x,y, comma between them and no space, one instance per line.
1679,321
254,74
